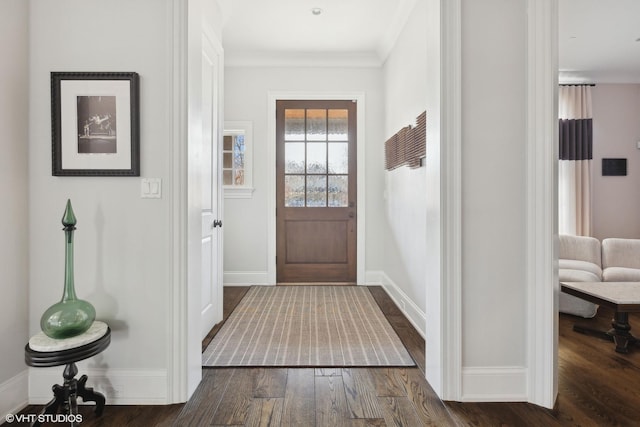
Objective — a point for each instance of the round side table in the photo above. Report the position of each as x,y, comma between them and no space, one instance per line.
42,351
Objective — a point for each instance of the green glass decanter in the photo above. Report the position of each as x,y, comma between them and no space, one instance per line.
71,316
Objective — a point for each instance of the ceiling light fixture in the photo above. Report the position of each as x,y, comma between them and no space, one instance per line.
316,11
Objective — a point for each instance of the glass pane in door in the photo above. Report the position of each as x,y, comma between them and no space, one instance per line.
316,191
316,157
338,191
316,125
338,122
294,186
294,125
339,157
294,157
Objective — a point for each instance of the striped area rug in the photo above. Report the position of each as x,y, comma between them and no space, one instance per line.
315,326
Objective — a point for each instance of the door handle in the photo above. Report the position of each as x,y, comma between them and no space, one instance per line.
216,223
352,215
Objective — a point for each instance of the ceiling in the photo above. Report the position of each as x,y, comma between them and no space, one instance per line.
597,41
597,38
349,32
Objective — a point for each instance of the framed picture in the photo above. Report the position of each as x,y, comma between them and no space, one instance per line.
95,124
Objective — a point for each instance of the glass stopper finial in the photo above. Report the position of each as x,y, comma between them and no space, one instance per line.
69,218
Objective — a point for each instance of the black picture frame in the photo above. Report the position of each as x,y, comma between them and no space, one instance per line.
95,124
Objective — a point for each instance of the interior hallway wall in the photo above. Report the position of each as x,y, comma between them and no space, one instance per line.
122,257
494,240
14,213
405,90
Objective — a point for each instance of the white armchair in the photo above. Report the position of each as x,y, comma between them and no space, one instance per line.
621,260
579,261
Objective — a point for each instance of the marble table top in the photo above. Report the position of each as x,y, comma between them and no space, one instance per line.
43,343
615,292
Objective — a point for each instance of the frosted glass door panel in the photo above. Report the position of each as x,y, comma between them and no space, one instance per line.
339,157
294,157
316,157
316,125
294,125
338,122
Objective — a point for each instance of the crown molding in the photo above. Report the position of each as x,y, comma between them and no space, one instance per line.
302,59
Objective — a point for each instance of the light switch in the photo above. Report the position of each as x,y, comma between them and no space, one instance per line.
151,188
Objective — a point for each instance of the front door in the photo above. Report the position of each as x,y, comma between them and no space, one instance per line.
316,191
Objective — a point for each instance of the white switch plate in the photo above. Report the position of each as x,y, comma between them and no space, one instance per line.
151,188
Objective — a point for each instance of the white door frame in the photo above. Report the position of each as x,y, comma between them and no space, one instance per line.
274,96
542,208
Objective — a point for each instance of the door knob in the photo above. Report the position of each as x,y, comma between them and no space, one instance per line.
352,215
216,223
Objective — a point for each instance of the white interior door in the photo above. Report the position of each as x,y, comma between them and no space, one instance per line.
212,270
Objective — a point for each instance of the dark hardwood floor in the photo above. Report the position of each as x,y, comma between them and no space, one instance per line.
597,387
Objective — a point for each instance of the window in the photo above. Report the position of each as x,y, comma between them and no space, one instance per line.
236,160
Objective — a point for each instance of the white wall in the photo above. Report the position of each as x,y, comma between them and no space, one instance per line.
122,256
246,91
616,132
14,213
405,90
493,187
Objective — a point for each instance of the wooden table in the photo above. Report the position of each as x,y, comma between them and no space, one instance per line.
623,297
43,351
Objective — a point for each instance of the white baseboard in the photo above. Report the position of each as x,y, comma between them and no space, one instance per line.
494,384
14,394
119,386
411,311
246,278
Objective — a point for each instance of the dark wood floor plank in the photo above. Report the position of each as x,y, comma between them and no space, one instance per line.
386,383
418,391
331,403
489,414
400,412
269,382
361,393
205,400
265,412
234,406
299,399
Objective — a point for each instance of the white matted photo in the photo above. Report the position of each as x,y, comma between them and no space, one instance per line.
95,124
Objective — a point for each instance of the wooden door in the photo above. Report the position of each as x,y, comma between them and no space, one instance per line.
316,191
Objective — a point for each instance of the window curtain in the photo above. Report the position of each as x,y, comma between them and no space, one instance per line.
576,153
